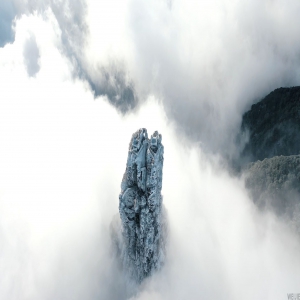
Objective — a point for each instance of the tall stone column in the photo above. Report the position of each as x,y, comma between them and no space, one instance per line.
141,210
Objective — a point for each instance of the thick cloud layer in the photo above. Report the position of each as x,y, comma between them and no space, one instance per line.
207,61
63,154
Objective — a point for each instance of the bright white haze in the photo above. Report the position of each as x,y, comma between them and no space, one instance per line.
195,67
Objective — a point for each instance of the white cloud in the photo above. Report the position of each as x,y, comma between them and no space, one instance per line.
63,154
208,61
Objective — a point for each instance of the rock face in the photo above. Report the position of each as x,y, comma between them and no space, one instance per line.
273,148
143,225
273,125
276,179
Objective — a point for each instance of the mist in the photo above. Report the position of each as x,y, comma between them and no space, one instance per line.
65,125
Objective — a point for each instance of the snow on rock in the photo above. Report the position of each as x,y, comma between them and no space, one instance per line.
140,238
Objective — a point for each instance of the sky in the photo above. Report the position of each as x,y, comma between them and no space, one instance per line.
77,79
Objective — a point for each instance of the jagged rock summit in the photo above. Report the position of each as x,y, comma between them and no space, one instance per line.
141,244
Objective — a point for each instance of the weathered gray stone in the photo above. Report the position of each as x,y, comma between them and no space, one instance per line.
141,246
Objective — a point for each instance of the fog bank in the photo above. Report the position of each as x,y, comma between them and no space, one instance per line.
63,151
